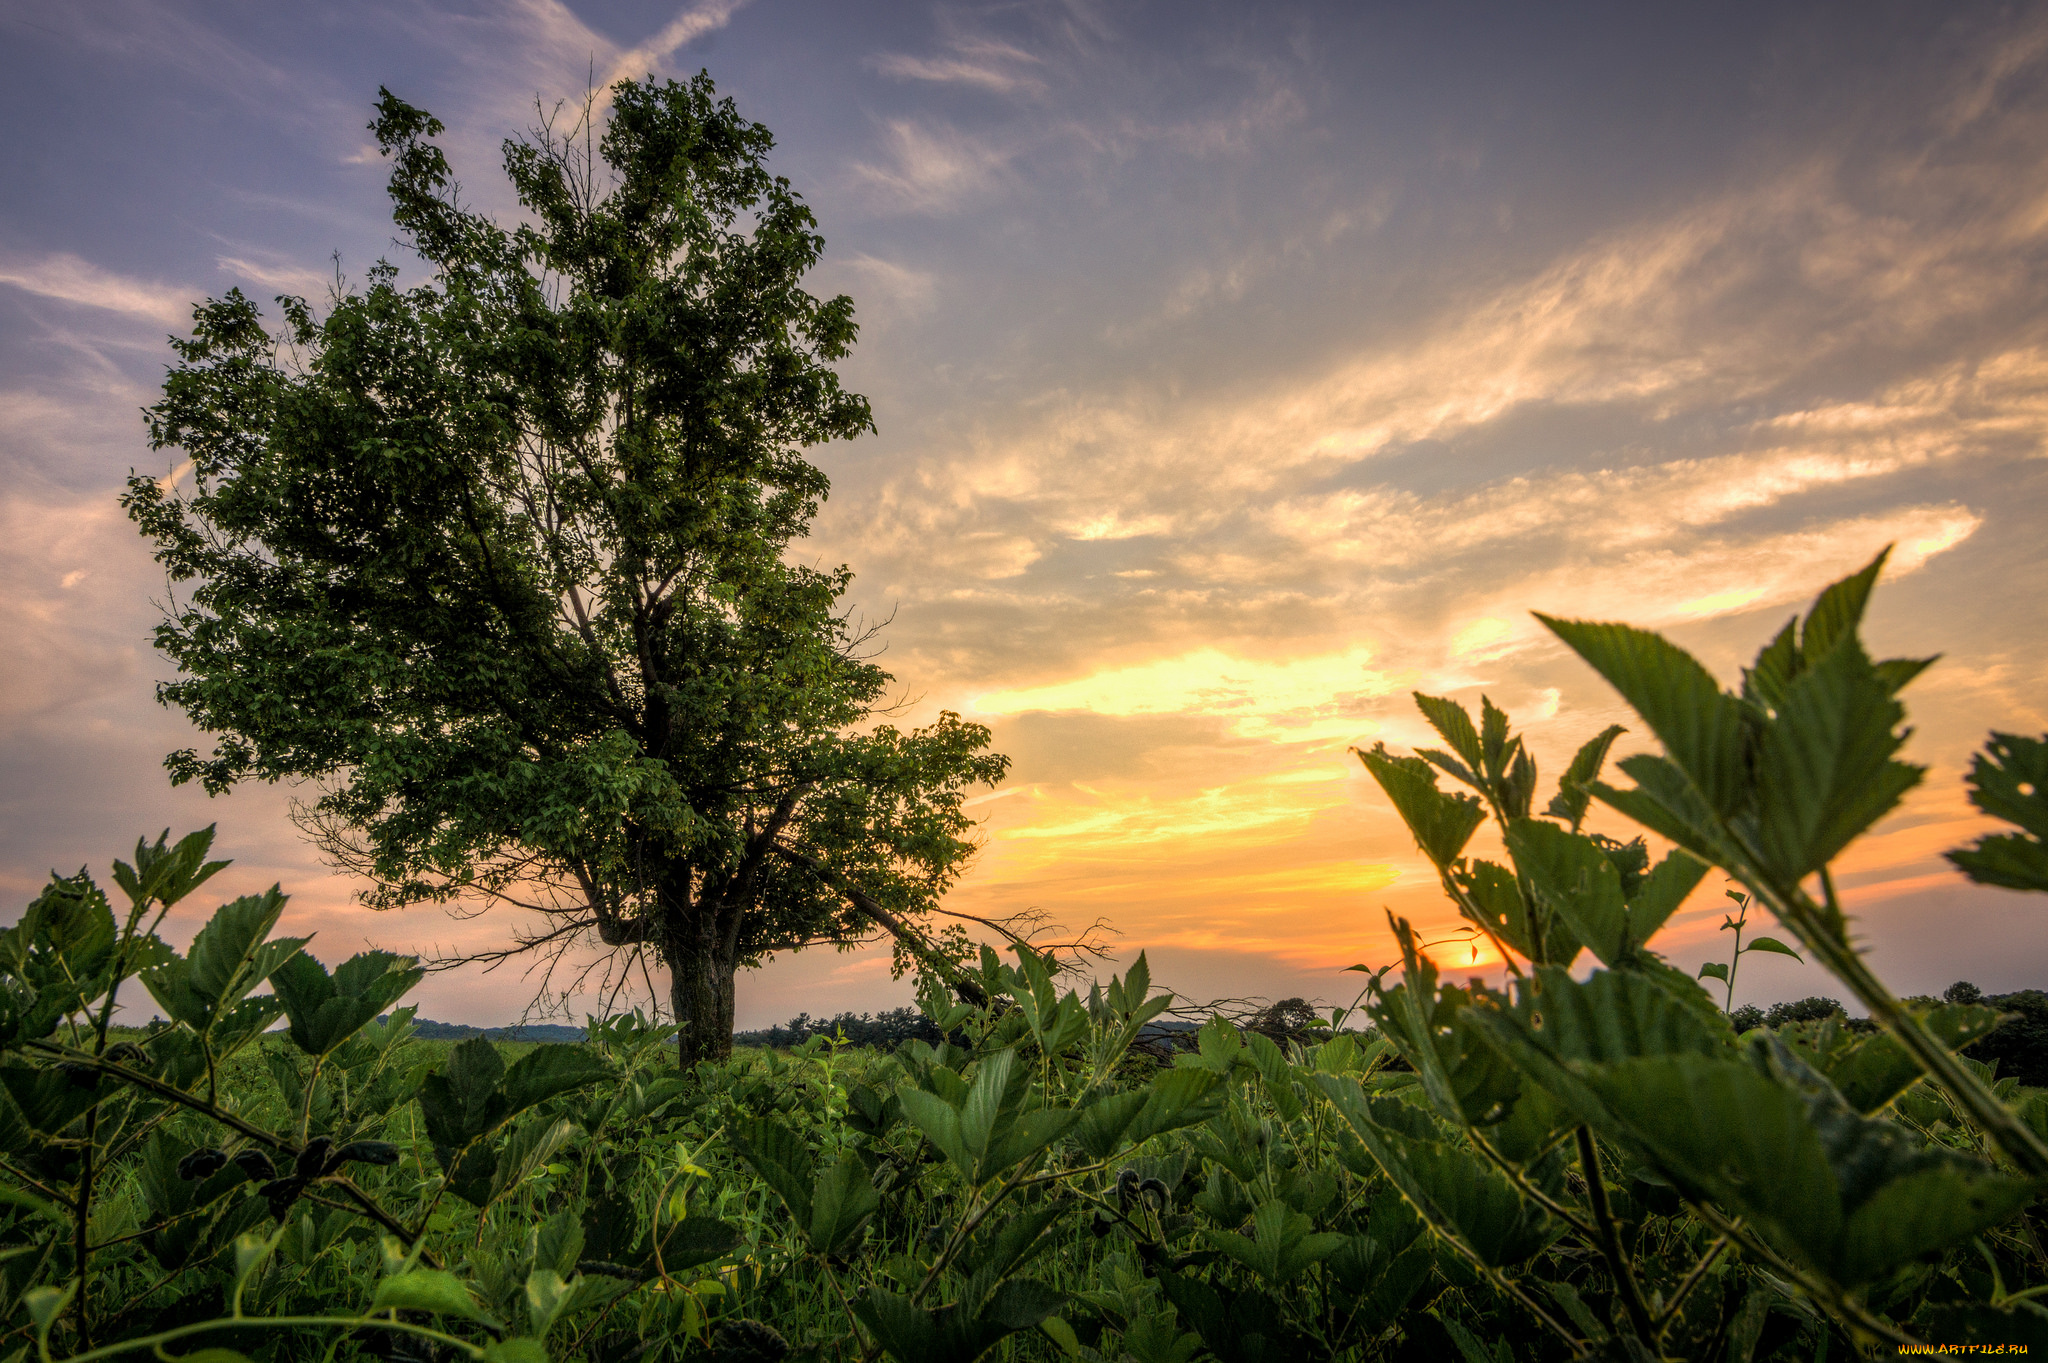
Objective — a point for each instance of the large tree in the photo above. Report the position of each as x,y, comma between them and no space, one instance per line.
501,561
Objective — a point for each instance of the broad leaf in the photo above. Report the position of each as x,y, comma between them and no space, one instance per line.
1702,728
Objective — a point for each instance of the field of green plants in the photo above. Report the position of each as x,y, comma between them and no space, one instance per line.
1588,1163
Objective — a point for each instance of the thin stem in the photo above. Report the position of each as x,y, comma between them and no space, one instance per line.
1610,1240
1528,1189
1851,1314
1692,1279
260,1322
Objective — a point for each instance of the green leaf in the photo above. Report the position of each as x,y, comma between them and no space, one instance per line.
549,1070
2009,781
1665,802
697,1240
1572,798
1714,970
463,1101
326,1011
1869,1071
1702,728
46,1303
1839,610
1102,1123
1281,1247
1441,823
1178,1098
2009,860
1450,719
783,1161
526,1151
1575,881
1775,947
515,1351
1469,1202
1824,769
230,956
432,1290
842,1200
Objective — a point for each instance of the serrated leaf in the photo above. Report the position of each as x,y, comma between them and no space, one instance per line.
696,1240
528,1149
2008,860
1824,767
432,1290
549,1070
1441,823
842,1199
1702,728
782,1160
1571,799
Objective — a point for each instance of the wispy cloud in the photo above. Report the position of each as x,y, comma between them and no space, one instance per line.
930,167
70,279
990,65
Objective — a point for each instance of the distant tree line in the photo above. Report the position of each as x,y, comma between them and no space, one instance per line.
2019,1046
885,1030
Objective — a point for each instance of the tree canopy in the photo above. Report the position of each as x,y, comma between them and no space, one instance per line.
501,560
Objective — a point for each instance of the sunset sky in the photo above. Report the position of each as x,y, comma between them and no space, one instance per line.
1239,369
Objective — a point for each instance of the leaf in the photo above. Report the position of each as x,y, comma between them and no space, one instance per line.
1441,823
2004,859
1702,728
1869,1071
1824,768
1775,947
327,1010
1450,719
549,1070
526,1151
1281,1247
1463,1199
432,1290
783,1161
2009,781
1839,610
230,956
1714,970
1102,1123
515,1351
1571,799
1665,802
697,1240
1575,881
1177,1098
842,1200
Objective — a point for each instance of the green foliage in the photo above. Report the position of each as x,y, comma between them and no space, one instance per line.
504,559
1570,1166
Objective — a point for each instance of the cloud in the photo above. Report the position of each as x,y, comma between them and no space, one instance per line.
70,279
930,167
690,23
1204,682
980,62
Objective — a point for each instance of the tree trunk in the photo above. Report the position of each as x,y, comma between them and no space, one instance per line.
701,995
700,951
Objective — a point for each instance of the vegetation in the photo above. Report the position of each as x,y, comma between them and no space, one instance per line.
502,561
1597,1167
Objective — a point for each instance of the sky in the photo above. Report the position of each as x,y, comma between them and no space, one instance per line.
1238,370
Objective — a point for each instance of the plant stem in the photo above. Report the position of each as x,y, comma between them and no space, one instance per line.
1693,1278
258,1322
1849,1312
1610,1240
2013,1137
